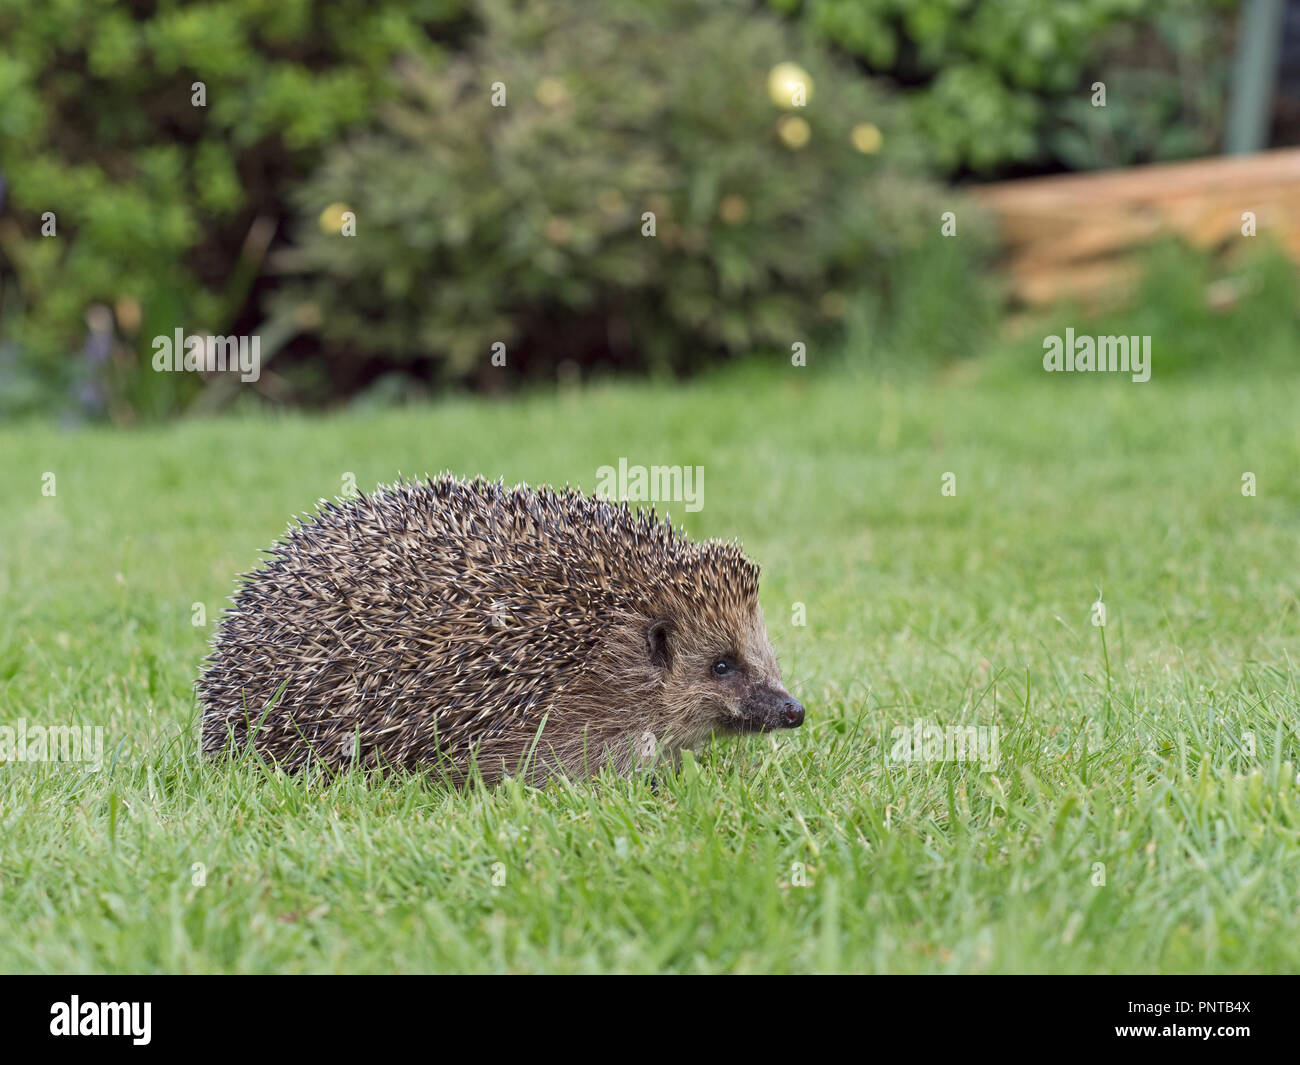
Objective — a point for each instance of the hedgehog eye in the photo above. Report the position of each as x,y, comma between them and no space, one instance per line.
722,668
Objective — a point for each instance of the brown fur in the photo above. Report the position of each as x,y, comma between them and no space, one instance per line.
443,623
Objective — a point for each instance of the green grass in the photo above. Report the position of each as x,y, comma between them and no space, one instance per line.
1167,752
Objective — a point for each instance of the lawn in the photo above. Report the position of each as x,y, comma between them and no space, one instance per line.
1143,813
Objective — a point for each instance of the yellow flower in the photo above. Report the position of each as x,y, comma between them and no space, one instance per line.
128,314
308,315
558,230
550,92
789,85
610,201
833,304
793,131
866,138
733,209
331,219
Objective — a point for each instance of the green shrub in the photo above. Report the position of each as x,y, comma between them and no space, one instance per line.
936,309
992,83
1167,87
1205,311
156,200
524,224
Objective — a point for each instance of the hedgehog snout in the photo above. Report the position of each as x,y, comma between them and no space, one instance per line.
772,708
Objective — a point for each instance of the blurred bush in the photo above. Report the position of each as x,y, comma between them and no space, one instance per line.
992,84
1206,311
163,209
527,224
1167,82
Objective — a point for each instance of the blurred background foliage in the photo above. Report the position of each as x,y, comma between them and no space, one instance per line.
523,225
1003,87
156,201
527,224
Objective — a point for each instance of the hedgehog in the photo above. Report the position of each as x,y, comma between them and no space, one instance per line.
473,629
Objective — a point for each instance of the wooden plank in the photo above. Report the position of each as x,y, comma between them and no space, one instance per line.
1075,235
1147,183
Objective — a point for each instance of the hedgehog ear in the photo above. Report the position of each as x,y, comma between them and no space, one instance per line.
657,640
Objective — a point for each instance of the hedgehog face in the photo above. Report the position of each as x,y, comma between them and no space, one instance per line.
721,678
